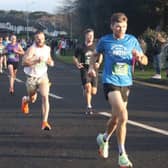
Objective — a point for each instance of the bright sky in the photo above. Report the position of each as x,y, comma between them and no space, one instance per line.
49,6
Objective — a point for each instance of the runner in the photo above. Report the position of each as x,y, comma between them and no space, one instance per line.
2,51
82,60
35,63
118,50
14,51
6,41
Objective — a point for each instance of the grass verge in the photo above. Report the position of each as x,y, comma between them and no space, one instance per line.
147,73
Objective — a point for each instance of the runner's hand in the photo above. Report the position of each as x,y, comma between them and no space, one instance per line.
50,63
137,55
79,65
97,65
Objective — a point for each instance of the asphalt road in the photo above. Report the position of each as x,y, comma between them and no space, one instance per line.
72,141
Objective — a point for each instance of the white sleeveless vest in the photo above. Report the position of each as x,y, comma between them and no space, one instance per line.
39,69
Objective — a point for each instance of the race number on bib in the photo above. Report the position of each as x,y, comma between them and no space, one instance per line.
11,56
120,69
87,60
40,65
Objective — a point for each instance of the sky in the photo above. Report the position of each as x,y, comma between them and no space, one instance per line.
50,6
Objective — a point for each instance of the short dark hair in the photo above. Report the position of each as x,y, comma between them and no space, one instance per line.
118,17
39,32
88,30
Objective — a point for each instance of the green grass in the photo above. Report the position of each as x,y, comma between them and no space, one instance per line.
65,59
139,74
147,73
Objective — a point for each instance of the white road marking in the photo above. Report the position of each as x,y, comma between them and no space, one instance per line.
161,131
18,80
137,124
147,127
55,96
151,85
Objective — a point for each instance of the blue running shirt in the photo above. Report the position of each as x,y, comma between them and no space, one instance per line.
117,58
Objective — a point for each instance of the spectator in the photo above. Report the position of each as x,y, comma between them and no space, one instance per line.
157,46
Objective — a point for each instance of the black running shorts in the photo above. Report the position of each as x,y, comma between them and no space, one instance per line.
110,88
85,78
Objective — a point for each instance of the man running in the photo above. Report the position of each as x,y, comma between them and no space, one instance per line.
119,50
35,64
2,54
6,41
81,59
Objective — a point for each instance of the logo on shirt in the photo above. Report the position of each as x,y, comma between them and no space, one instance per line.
119,50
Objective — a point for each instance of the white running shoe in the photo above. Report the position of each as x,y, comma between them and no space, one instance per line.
157,76
124,162
103,146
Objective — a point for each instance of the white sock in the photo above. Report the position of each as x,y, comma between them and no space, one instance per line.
26,98
121,148
106,137
89,106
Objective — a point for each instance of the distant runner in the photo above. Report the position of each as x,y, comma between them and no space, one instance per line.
81,59
14,51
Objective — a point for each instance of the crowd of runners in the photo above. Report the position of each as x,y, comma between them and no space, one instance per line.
34,59
118,51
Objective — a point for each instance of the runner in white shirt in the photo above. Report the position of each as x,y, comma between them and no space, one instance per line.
35,63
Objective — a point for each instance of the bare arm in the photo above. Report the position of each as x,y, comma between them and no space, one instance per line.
19,50
50,61
78,64
140,57
29,59
99,61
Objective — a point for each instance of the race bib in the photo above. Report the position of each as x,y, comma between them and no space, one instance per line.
12,55
120,69
87,60
1,50
40,65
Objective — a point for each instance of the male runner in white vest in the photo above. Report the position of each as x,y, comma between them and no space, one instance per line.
35,64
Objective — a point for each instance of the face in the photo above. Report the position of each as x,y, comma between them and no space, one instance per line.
89,37
13,39
1,39
6,38
40,39
119,29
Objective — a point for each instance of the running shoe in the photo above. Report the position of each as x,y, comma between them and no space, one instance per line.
103,146
89,111
25,105
157,76
124,162
45,126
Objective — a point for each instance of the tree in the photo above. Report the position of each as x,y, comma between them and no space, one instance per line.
162,11
141,13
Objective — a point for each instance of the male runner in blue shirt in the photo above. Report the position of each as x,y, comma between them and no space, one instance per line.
119,50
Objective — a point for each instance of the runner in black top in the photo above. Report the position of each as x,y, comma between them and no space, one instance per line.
81,59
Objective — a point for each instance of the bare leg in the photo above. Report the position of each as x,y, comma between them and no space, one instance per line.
88,94
44,91
12,77
119,118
